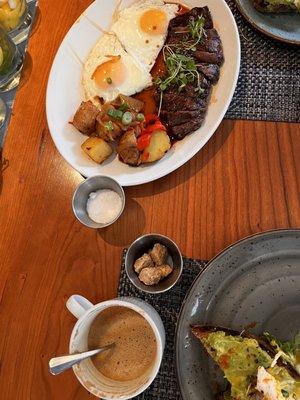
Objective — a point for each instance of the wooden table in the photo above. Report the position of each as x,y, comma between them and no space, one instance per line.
245,180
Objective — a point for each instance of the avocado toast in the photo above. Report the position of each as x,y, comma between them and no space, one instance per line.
277,6
251,365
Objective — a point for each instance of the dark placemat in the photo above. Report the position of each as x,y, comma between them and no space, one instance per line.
268,87
168,306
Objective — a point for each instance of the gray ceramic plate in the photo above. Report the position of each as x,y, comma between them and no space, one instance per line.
255,280
283,27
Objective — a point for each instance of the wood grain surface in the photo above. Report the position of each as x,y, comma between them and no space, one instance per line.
245,180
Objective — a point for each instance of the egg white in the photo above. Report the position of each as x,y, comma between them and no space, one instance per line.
269,386
142,46
136,78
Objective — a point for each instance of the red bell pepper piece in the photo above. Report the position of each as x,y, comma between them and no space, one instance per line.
143,141
153,123
151,118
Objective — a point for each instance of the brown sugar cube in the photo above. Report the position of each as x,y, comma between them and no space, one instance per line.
159,254
152,276
143,262
165,270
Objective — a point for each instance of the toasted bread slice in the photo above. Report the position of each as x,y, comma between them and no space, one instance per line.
200,331
241,356
275,6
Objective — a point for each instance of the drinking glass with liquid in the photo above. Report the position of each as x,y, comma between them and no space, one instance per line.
13,15
10,63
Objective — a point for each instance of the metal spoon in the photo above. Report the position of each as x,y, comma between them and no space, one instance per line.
61,364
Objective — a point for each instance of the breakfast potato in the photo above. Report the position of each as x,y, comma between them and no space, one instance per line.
128,150
159,144
97,149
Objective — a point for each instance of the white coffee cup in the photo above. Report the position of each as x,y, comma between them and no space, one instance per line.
86,372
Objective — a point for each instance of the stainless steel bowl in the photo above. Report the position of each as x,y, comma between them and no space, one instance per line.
142,245
82,193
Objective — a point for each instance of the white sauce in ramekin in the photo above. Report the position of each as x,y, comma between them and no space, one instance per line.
104,206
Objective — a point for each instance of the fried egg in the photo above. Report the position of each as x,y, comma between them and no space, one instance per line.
267,384
142,29
110,70
272,388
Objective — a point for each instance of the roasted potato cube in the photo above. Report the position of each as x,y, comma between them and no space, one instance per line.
132,103
128,150
109,135
97,149
159,144
143,262
85,118
159,254
152,276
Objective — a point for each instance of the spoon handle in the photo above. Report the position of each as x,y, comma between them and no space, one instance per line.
60,364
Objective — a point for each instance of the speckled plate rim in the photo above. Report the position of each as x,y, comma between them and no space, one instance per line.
209,265
260,29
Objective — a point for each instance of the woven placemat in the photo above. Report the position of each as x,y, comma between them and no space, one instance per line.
269,86
168,306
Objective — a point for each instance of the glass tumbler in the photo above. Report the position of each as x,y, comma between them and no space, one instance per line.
11,63
15,19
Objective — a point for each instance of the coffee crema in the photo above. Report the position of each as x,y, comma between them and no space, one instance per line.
135,343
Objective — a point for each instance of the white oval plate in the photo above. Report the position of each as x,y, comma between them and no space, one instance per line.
64,94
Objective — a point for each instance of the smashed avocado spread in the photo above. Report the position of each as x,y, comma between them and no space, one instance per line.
240,359
293,4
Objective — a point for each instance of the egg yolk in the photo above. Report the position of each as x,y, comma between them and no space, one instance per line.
110,74
154,22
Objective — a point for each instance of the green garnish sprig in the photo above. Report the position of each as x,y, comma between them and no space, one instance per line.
196,29
109,126
181,70
197,32
289,351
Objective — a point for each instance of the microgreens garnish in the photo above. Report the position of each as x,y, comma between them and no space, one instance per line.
181,70
196,28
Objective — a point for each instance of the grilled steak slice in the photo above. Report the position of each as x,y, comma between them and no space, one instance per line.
85,118
211,42
210,71
211,58
193,14
172,118
187,99
178,35
180,131
178,102
189,90
178,31
183,111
